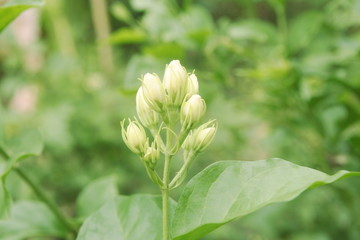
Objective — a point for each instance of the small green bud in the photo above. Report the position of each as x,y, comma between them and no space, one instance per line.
148,117
152,155
200,138
134,136
175,82
153,91
192,110
193,85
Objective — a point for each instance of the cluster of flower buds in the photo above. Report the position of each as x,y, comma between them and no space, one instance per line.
162,104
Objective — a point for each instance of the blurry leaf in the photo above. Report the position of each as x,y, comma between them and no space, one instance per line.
127,35
23,145
303,29
311,87
252,30
139,66
136,217
120,11
330,118
227,190
16,148
351,131
94,195
197,25
30,219
167,51
12,8
142,5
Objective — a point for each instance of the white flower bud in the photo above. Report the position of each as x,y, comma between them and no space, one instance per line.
199,139
134,136
148,117
153,91
175,82
152,154
192,110
193,85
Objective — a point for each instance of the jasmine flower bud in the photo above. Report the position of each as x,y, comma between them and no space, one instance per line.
134,136
192,110
148,117
199,139
175,82
153,91
152,155
193,85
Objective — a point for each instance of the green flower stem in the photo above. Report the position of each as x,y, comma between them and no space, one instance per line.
181,174
165,189
41,195
165,200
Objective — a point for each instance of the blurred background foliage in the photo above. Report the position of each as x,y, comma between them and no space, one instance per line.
281,76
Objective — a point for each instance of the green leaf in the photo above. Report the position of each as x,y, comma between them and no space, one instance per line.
127,35
95,195
26,144
228,190
303,29
136,217
12,8
30,219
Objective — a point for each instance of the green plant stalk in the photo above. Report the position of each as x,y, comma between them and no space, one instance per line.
41,195
180,174
102,31
165,190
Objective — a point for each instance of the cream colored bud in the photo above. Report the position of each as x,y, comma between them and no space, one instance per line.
153,91
192,110
134,136
152,155
193,85
175,82
148,117
199,139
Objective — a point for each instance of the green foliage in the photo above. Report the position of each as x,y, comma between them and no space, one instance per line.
14,149
219,194
12,8
136,217
94,195
30,219
281,77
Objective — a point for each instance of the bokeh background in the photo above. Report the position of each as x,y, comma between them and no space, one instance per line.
282,77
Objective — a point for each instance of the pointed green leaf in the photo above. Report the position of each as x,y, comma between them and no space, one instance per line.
231,189
94,195
12,8
136,217
30,219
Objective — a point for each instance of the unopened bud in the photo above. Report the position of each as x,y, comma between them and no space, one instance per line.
152,154
193,85
153,91
148,117
192,110
175,82
200,138
134,136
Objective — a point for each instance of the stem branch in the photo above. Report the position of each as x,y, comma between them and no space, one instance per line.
41,195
